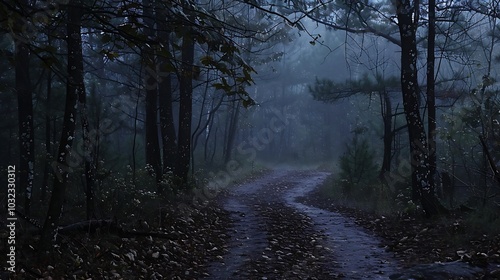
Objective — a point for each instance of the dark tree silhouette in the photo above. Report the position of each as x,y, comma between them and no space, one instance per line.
168,134
153,156
74,89
25,108
431,96
185,107
423,189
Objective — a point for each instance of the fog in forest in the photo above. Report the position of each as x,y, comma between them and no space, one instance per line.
160,122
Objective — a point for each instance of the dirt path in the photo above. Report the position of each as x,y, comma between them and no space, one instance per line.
248,237
357,253
273,236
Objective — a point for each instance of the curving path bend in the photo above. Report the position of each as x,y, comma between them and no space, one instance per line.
273,236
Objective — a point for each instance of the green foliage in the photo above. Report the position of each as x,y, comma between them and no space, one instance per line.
379,200
121,197
483,220
477,115
357,166
403,200
329,91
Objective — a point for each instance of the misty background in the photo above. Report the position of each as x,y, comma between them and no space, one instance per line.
326,85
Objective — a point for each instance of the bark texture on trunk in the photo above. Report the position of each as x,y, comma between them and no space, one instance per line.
185,108
423,190
74,88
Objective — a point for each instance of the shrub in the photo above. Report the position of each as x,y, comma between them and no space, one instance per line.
358,170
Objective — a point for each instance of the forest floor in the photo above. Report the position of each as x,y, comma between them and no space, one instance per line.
274,225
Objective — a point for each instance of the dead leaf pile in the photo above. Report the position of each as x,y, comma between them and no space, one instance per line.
179,249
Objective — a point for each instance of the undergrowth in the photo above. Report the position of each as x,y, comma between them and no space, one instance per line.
460,226
372,198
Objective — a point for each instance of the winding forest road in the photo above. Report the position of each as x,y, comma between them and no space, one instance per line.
275,237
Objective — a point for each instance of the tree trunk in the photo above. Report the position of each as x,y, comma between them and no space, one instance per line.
134,139
48,149
206,128
25,112
168,135
227,124
231,134
214,149
89,163
199,128
210,125
431,98
74,87
97,104
186,108
153,156
422,190
167,124
388,136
